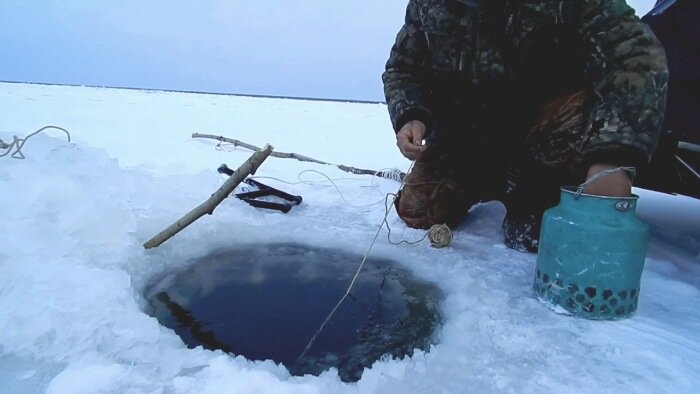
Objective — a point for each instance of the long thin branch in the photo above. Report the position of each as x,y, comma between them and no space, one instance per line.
396,175
248,168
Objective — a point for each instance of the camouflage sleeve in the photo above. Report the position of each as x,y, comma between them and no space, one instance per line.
627,67
404,77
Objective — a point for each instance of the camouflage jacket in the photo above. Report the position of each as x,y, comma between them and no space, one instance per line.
455,57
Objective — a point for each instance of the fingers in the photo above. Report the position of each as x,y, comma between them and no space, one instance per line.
409,139
410,150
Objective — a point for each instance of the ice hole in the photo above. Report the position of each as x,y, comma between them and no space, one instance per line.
266,302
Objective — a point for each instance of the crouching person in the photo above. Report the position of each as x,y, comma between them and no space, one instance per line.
509,100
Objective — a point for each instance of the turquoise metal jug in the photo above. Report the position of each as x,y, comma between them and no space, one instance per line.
591,255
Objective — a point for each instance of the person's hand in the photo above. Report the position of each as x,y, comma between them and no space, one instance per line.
410,139
615,184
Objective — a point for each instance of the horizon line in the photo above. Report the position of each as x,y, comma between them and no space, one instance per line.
300,98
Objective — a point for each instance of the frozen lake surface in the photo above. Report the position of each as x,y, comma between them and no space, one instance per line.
73,272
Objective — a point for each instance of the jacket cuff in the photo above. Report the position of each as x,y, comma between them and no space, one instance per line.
619,155
418,113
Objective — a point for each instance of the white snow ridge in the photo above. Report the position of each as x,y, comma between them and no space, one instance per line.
73,217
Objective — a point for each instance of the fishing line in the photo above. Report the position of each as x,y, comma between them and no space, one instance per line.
438,233
327,179
354,278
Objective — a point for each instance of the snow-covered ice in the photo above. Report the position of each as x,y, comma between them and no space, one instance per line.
72,268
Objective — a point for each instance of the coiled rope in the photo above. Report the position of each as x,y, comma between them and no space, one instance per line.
440,236
18,143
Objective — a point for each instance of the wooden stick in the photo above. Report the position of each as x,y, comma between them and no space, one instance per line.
284,155
248,168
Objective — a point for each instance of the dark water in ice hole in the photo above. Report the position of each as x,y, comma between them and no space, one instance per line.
266,303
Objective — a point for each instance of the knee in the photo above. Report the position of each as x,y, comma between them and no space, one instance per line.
413,210
422,210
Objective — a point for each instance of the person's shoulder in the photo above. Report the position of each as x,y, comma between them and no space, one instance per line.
422,3
439,4
437,15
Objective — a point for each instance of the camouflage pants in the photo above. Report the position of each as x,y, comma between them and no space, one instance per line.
446,182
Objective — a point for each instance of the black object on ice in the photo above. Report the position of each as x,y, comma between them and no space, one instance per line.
252,197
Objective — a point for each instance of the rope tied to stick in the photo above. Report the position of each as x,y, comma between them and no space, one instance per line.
393,174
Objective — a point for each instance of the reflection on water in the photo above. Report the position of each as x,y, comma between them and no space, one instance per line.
266,302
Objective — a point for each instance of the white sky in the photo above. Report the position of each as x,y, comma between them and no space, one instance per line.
309,48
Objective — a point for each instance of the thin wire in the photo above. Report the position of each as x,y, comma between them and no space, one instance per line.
354,278
221,146
387,207
631,170
385,200
328,179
